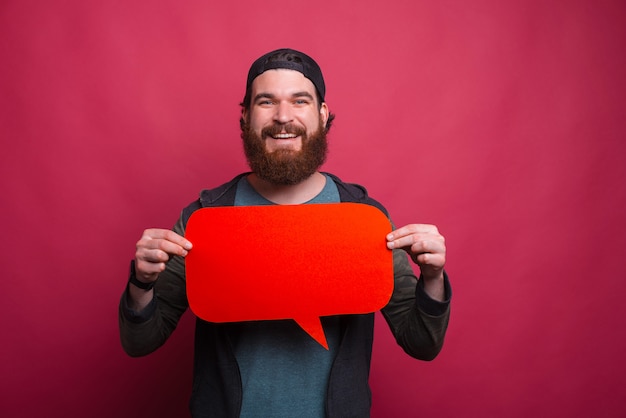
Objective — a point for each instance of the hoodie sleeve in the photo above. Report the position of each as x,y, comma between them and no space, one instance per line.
143,332
417,321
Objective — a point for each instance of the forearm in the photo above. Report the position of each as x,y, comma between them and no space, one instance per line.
147,318
417,320
138,299
144,330
435,288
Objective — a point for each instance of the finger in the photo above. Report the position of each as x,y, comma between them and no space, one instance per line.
418,243
167,235
433,261
431,245
147,269
152,255
412,229
164,246
164,240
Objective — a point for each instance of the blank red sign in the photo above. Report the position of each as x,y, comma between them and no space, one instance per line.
288,261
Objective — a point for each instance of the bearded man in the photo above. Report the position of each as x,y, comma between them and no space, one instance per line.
273,368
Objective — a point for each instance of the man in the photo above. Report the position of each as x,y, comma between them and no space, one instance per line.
273,368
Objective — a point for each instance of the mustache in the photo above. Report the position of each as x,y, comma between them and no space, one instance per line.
278,128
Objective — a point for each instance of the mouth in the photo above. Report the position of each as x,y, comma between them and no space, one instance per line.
284,136
284,132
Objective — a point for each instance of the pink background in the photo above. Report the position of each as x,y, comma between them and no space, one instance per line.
500,121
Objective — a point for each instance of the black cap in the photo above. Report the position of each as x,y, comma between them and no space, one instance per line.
288,59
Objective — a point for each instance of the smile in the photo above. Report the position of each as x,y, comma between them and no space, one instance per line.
284,136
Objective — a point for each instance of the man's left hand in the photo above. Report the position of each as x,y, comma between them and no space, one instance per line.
424,244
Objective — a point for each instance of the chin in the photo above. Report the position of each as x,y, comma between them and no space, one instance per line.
292,146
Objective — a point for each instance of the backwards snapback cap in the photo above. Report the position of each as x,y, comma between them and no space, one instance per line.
289,59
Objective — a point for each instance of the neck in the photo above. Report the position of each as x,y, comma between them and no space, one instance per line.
289,195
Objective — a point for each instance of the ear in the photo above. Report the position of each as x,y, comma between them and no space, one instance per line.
324,112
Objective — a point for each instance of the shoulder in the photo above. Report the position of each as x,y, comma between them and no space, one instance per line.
352,192
223,195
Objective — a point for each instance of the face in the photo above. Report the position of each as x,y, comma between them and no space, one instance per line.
287,99
284,129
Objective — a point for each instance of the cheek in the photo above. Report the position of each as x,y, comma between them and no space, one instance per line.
311,121
259,118
256,124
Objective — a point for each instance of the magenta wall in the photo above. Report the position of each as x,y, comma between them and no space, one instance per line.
500,121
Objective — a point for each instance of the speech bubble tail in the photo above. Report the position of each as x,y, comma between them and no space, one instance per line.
313,327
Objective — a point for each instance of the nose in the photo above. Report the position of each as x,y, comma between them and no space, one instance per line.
283,113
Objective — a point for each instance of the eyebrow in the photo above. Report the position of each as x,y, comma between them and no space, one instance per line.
294,95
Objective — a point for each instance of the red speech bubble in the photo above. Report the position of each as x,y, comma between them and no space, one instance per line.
282,261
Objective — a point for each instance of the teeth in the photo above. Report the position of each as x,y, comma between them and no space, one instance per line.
284,136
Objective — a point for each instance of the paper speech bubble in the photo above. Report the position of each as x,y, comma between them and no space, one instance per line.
288,261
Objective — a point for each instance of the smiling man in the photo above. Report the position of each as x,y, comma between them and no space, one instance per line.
273,368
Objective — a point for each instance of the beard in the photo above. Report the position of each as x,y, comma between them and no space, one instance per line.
284,167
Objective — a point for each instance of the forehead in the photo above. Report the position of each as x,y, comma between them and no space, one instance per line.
282,82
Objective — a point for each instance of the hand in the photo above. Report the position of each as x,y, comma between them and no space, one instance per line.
154,250
424,244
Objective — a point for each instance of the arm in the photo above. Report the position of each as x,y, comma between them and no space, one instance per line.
147,318
418,311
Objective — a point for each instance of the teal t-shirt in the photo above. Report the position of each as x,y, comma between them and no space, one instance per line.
284,371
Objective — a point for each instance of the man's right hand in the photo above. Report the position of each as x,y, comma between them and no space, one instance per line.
154,250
